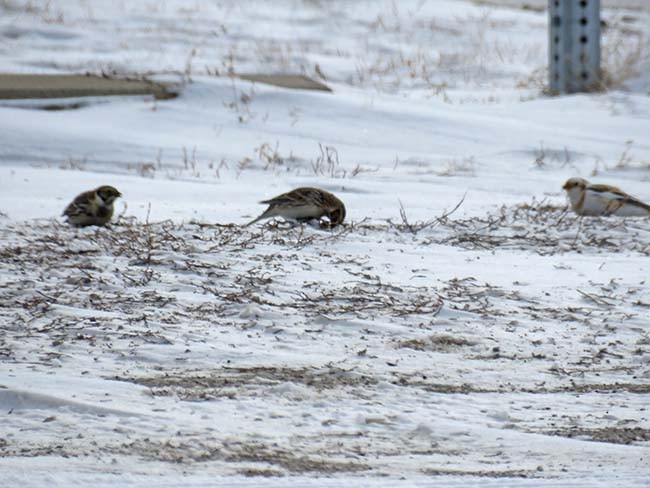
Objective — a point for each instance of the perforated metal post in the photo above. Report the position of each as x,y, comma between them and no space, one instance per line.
574,45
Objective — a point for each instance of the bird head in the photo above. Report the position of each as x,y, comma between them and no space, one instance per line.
336,215
107,194
575,183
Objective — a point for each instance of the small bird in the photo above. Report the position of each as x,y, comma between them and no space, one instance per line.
601,200
94,207
303,205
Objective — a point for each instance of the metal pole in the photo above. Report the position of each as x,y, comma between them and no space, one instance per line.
574,46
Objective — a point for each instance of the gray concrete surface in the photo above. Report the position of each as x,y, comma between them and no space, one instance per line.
19,86
39,86
298,82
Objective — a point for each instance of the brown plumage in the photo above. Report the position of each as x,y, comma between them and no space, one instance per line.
94,207
303,205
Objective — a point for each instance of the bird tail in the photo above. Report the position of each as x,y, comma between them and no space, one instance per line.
267,214
251,222
257,219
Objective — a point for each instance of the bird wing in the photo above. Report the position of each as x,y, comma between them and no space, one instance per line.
607,189
299,196
80,204
297,204
616,196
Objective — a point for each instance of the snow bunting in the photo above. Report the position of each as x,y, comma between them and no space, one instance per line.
303,205
600,200
94,207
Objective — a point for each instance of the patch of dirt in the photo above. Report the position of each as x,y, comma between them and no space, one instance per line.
237,452
483,473
439,342
639,388
275,460
420,381
263,473
614,435
234,381
258,453
8,450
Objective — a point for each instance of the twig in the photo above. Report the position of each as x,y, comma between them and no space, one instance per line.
416,227
575,239
597,300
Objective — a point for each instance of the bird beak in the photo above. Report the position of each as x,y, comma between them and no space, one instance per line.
566,186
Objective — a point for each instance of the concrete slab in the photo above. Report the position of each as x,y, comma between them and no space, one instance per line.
20,86
43,86
297,82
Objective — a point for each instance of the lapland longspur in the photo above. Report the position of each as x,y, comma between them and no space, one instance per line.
601,200
94,207
303,205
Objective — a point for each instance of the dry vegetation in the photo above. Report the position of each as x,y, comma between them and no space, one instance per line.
112,293
133,267
539,227
625,51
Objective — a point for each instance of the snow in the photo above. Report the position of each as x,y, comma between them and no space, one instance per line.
502,343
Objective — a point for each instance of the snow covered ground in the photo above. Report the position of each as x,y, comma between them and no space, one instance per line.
496,344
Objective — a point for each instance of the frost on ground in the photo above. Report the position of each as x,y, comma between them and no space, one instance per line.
462,328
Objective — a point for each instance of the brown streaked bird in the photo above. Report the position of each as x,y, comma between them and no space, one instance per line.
94,207
303,205
602,200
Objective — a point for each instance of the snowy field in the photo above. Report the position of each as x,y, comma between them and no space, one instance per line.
459,330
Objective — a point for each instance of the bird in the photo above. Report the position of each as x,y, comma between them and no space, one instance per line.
94,207
591,200
303,205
